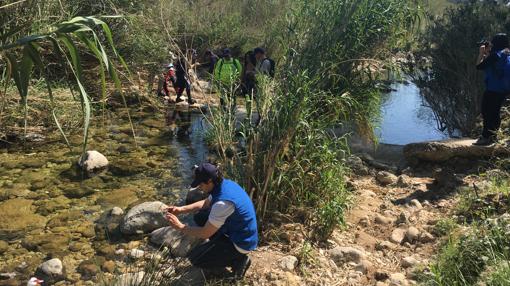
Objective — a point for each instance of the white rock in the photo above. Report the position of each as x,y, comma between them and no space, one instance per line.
144,218
116,211
52,267
120,251
398,279
136,253
408,262
180,245
93,161
288,263
380,219
386,178
412,234
397,236
346,254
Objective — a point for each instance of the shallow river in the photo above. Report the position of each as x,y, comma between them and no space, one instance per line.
48,210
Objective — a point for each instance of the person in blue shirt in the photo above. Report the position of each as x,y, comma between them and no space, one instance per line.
492,59
226,218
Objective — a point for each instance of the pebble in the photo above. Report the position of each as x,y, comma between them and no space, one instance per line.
397,236
52,267
288,263
116,211
426,237
398,279
136,253
408,262
380,219
120,251
412,234
346,254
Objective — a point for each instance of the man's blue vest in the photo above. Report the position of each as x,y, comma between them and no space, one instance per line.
240,226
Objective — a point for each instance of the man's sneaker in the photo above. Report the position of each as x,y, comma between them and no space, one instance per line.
179,100
239,270
191,101
484,141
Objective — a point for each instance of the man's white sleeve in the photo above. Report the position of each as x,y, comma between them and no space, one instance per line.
220,211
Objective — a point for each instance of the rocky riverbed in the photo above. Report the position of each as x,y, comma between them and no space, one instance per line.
50,209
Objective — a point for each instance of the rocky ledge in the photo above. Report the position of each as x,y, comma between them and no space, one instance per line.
440,151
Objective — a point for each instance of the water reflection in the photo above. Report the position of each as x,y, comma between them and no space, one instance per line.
405,118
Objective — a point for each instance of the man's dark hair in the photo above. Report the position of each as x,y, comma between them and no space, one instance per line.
500,42
259,50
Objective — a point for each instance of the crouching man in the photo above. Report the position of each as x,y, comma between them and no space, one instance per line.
226,218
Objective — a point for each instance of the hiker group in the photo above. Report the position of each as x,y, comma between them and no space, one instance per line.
226,74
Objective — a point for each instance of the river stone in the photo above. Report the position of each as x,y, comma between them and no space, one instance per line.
108,266
51,243
179,244
130,166
343,254
398,235
386,178
288,263
380,219
34,162
408,262
398,279
412,234
52,267
116,211
136,253
440,151
93,162
144,218
18,215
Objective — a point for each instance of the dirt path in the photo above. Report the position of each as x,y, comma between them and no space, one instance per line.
388,238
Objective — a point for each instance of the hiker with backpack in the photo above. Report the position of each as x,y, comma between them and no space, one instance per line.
264,65
494,59
227,74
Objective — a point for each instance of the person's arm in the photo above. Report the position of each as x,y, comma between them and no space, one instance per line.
189,208
203,232
485,59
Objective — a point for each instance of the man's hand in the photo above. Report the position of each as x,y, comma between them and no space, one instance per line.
174,221
174,210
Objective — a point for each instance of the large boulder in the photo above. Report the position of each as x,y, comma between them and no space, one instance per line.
93,162
144,218
440,151
179,244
